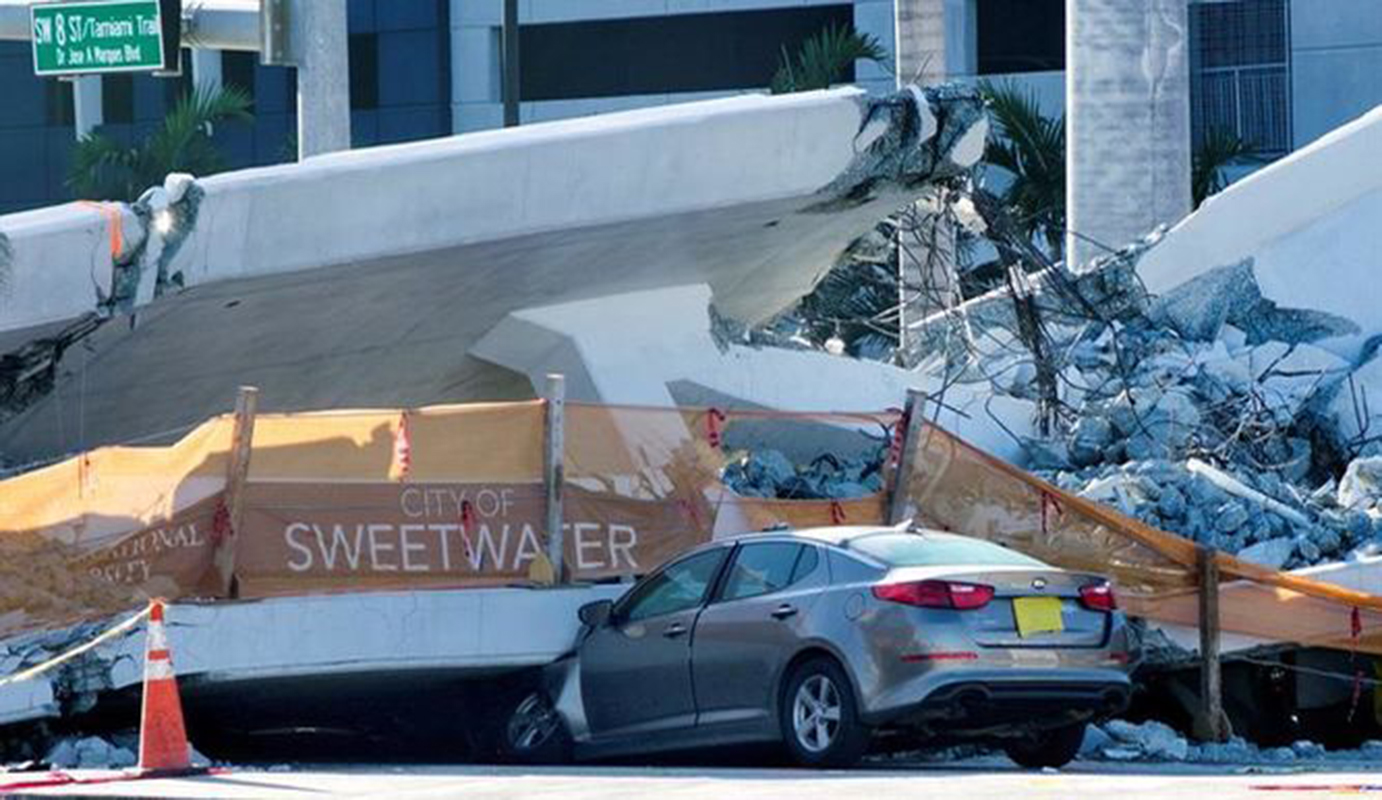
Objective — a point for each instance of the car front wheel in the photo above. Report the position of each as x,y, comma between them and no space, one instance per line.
1049,749
535,733
819,717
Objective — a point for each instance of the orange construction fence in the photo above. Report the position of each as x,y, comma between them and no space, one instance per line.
453,497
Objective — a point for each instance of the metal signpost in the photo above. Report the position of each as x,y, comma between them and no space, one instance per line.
99,37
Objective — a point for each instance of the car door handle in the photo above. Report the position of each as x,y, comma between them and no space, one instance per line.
674,630
784,611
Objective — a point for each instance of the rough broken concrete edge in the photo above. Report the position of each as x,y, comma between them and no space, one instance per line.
128,271
903,144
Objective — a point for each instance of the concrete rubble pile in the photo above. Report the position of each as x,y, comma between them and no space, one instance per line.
1220,380
1119,740
94,752
1208,412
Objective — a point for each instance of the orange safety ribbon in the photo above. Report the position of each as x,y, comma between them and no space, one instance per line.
111,211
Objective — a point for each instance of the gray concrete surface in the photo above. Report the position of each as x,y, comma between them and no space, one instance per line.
395,332
989,779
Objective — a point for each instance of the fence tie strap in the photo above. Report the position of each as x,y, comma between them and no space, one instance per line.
688,510
1049,504
467,527
714,418
899,435
220,522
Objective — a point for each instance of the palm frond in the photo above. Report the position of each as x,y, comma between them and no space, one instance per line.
1219,149
104,170
825,59
1030,147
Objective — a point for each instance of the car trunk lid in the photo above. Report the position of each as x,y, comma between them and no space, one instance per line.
1030,607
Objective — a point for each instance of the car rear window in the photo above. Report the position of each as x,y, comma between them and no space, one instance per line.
919,550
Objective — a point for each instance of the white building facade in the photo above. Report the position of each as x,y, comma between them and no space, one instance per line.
1277,73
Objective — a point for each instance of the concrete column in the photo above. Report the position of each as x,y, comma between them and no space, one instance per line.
1127,88
206,68
921,45
86,104
323,67
936,40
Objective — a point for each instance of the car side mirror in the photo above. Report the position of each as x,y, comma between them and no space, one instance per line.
596,614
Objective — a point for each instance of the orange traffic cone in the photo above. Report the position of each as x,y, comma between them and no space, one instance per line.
163,745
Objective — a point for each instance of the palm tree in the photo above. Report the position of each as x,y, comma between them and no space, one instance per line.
825,59
103,169
1218,149
1031,147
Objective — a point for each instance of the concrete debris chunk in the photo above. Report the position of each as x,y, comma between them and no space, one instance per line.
1361,486
1270,553
770,473
1120,740
91,752
1151,740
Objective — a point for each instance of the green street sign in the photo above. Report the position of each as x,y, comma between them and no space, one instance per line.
97,37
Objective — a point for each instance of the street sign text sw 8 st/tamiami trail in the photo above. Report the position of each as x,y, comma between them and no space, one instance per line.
87,38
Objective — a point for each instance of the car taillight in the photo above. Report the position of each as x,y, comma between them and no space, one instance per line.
1098,597
936,594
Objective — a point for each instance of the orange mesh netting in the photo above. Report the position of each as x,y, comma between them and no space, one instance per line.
453,496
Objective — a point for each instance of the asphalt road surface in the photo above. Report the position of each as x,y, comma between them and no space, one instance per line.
992,780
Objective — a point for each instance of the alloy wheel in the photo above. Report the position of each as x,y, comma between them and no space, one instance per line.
816,712
532,724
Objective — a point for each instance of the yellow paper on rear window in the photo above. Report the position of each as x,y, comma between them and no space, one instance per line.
1037,615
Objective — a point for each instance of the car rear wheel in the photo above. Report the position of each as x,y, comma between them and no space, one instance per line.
1049,749
535,733
819,718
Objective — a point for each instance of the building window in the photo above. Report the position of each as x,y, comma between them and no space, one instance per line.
666,54
117,99
177,87
1240,77
237,69
364,71
57,103
1020,36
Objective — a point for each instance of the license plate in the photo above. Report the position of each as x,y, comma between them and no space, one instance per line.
1035,615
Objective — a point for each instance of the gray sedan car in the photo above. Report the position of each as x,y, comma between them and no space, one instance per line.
835,641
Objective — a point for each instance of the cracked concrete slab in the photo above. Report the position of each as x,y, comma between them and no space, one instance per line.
362,278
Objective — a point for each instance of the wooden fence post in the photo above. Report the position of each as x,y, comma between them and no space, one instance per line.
899,509
237,473
1213,724
554,473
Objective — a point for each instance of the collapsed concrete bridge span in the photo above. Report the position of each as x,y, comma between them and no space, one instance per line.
363,278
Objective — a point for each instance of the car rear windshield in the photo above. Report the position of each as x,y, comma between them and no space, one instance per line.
919,550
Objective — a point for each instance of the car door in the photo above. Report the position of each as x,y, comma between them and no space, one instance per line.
636,670
752,627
